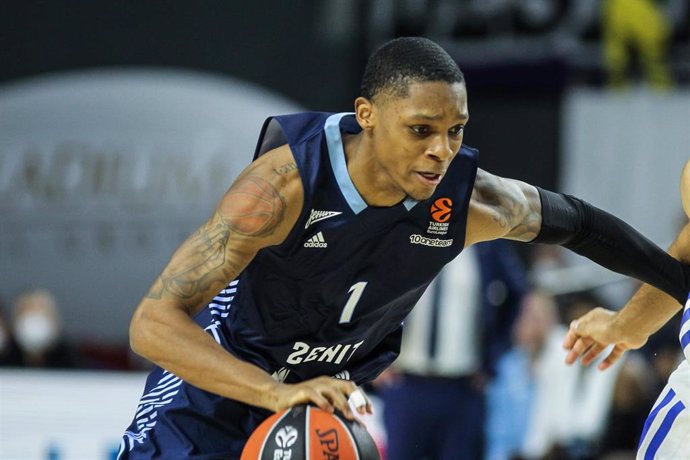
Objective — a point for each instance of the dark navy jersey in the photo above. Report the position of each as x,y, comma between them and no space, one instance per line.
332,297
329,300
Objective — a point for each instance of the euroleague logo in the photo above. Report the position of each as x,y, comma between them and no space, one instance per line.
441,209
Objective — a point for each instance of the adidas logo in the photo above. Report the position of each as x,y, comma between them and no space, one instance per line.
316,241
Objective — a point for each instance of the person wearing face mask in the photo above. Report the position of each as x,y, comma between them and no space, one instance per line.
9,353
37,330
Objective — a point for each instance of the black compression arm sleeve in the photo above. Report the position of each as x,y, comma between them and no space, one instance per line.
610,242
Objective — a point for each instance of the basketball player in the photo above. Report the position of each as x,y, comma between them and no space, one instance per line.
667,429
295,289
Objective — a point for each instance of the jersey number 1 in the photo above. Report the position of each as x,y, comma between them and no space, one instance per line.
357,290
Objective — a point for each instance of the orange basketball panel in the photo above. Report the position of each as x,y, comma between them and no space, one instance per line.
256,441
329,437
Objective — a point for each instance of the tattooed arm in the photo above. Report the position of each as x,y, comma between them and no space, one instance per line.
502,208
258,210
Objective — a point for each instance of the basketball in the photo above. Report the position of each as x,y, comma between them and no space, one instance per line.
306,432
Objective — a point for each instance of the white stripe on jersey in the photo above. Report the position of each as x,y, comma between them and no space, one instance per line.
150,401
220,306
167,387
224,298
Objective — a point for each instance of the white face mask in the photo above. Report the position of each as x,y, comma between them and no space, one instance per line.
35,332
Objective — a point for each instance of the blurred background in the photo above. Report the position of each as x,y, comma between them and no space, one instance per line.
122,123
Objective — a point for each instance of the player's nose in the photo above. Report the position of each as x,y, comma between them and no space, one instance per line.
439,148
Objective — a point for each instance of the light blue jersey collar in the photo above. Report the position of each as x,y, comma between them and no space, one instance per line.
336,153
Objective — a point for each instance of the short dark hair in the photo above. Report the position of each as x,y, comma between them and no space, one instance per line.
399,62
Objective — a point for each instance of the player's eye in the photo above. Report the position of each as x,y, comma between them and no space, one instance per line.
456,130
420,130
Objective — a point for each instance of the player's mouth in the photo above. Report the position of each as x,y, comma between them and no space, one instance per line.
431,179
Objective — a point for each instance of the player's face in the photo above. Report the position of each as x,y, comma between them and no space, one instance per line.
417,136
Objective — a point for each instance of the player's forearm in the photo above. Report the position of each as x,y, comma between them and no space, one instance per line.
649,309
645,313
169,338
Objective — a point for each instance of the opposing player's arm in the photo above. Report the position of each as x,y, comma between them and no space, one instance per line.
650,308
502,208
645,313
258,210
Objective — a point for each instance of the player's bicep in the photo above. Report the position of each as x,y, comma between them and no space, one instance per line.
258,210
502,208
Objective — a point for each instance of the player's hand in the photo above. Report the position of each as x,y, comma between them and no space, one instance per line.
327,393
590,334
361,402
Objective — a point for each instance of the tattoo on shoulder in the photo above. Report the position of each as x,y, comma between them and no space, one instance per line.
530,222
517,208
254,207
197,263
202,264
284,169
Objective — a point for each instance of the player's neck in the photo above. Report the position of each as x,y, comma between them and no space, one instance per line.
373,183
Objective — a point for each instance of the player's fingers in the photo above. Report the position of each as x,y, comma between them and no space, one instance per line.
339,400
321,400
359,400
581,345
570,339
592,353
575,351
611,359
337,392
311,391
367,409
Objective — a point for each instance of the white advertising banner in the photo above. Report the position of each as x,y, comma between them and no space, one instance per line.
103,173
50,415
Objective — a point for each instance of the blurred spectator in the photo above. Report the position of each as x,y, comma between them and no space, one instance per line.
545,261
633,395
511,396
639,26
643,375
9,353
534,390
434,397
37,328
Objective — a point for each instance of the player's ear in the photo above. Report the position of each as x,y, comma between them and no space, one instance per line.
364,111
685,188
